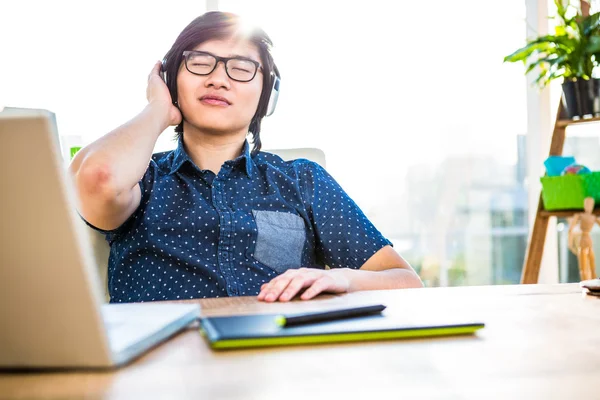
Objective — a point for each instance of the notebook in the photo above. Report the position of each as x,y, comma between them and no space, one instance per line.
239,331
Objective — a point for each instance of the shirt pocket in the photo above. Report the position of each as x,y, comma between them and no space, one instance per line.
280,239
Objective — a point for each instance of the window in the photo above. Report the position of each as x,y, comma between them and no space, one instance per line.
421,122
88,64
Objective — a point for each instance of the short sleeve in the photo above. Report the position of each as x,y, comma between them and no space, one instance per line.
345,238
146,184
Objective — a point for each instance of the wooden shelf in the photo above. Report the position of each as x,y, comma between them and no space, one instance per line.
566,122
565,213
535,245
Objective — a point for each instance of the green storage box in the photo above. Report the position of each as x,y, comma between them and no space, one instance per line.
568,191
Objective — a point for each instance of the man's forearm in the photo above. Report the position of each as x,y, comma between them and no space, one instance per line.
393,278
122,155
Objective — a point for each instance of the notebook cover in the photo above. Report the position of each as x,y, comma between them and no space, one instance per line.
262,330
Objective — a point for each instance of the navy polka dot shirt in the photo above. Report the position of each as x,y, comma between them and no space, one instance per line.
197,234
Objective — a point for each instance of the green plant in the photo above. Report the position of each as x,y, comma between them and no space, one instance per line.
572,52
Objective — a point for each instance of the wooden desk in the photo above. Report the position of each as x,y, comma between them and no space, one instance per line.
540,342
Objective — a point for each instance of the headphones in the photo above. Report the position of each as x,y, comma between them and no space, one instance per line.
273,97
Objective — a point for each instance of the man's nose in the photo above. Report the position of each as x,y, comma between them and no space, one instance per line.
218,78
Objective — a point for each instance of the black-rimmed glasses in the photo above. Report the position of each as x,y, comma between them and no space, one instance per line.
237,68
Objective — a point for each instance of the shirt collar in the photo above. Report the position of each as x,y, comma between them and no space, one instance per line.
247,158
180,156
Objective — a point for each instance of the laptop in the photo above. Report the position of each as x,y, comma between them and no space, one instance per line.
51,309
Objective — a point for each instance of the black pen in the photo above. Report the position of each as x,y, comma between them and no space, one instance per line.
311,318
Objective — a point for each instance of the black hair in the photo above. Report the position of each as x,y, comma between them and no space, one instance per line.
222,25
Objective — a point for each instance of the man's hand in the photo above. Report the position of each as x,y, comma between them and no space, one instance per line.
285,286
384,270
157,93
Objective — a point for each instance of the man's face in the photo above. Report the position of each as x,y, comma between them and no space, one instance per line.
215,103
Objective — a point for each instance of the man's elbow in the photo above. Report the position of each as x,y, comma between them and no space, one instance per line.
94,179
408,278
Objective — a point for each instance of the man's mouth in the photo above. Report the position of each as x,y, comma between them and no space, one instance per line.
215,100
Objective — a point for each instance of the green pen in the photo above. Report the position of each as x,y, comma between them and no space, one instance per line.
311,318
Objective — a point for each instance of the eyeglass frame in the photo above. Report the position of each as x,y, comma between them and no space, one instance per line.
225,60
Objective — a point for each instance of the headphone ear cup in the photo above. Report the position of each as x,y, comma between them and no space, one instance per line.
274,96
163,75
163,68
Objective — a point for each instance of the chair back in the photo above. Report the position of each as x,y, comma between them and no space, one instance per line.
310,153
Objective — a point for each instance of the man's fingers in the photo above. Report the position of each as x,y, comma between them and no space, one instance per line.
277,288
262,292
155,70
295,285
273,289
270,288
319,286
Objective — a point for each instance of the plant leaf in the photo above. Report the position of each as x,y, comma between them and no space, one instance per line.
593,45
590,24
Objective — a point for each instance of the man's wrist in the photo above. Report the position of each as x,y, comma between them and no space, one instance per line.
352,277
160,115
